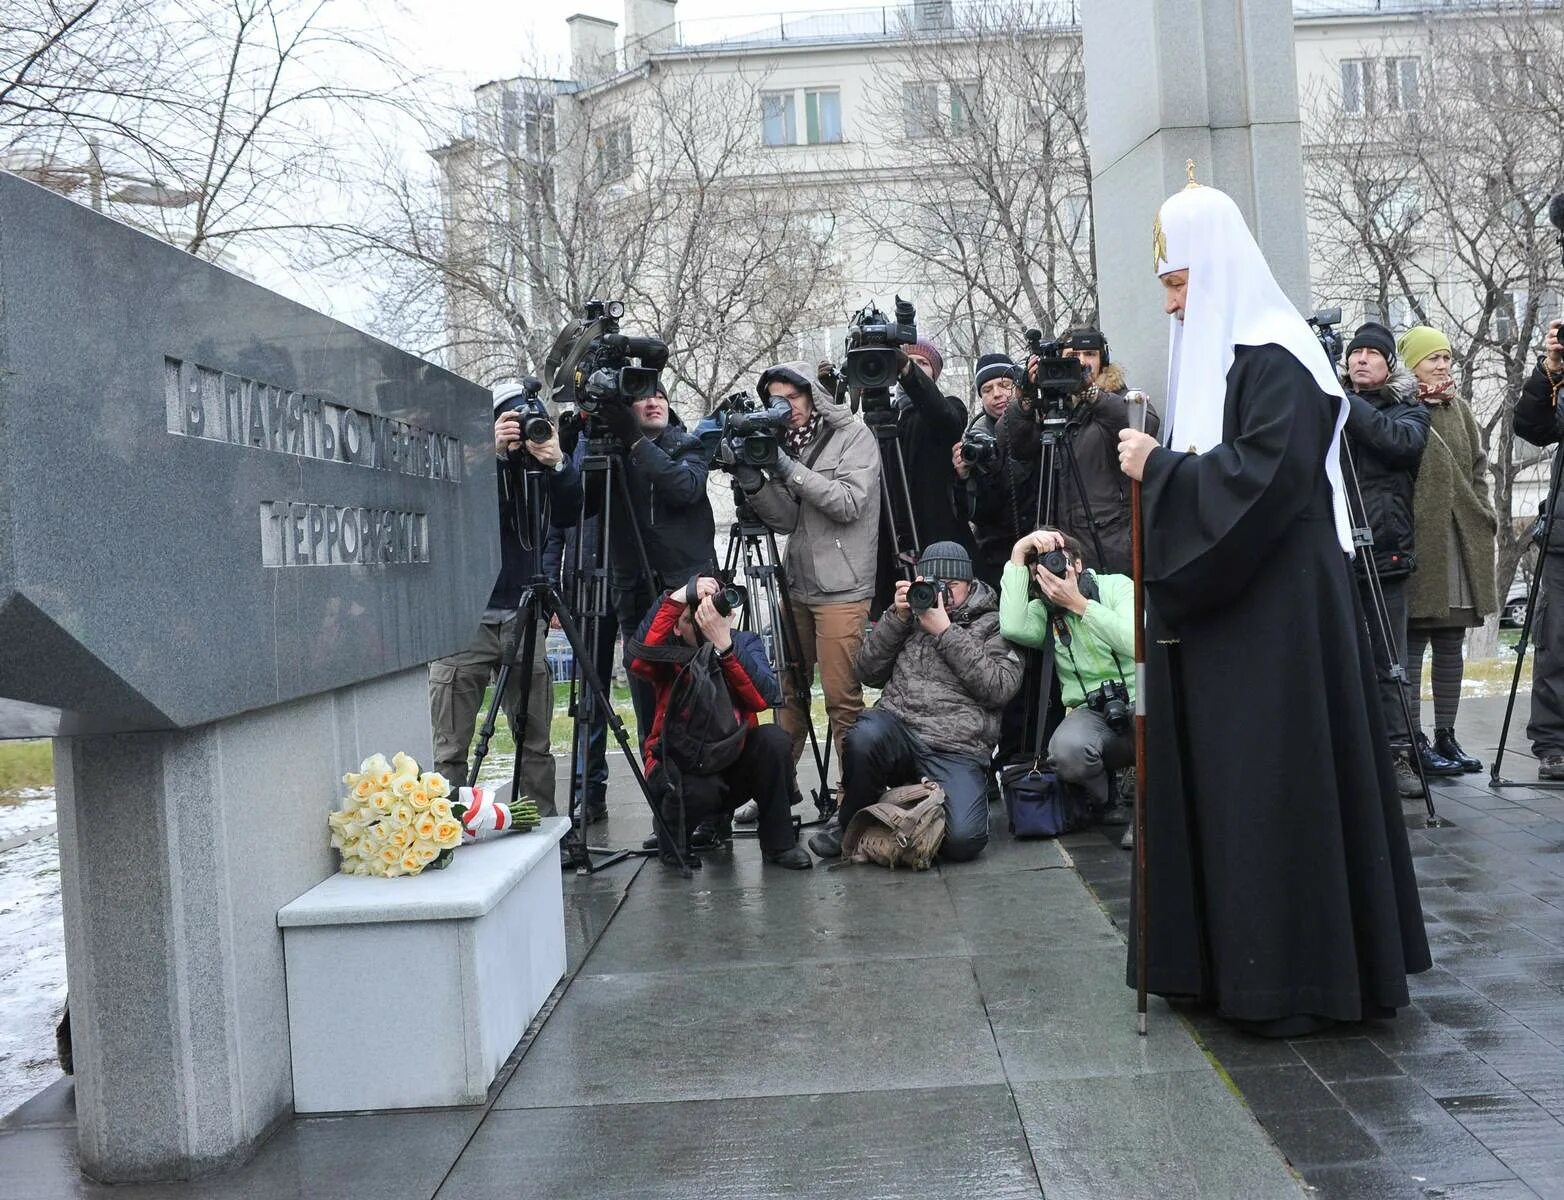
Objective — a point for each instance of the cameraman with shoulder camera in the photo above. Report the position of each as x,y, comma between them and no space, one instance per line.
1093,619
1096,414
1539,420
757,768
457,683
824,492
665,475
946,673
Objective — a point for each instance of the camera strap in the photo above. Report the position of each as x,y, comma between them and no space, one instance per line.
818,448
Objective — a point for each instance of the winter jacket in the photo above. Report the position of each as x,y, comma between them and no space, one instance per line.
1387,429
928,424
1452,489
1097,419
751,683
1102,639
985,496
520,562
829,506
948,689
1538,421
666,479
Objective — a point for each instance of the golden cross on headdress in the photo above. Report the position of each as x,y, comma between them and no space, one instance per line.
1189,169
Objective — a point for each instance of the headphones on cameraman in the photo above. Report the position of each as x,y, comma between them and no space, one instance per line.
1084,337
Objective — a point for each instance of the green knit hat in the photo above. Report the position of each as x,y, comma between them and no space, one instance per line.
1418,343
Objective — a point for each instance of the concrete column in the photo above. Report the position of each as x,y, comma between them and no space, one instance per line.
1170,80
176,851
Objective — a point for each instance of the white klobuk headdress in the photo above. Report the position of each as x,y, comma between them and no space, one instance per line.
1233,300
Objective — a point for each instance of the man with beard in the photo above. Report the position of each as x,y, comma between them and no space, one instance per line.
1280,886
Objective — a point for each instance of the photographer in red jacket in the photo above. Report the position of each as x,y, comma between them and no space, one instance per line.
763,770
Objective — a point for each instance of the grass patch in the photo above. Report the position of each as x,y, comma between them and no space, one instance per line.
26,765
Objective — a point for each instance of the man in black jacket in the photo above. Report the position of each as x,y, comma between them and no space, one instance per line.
665,469
1387,429
1097,414
1539,421
928,423
457,683
984,487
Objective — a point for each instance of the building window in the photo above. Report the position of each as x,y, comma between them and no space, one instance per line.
1075,214
1401,84
920,109
822,115
778,125
615,153
963,106
1354,96
1403,312
1403,207
538,121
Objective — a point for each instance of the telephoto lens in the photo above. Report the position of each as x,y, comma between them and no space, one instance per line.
538,429
726,599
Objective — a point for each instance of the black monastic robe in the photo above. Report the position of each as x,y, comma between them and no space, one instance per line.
1280,881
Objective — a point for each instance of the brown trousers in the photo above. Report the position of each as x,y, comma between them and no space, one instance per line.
456,687
830,635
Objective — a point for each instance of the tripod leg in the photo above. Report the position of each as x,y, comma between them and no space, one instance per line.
1520,653
492,716
529,649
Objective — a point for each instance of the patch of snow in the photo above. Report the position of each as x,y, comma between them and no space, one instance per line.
32,949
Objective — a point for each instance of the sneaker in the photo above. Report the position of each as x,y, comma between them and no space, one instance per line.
1127,842
1435,763
747,813
794,858
1551,766
828,842
1407,783
1446,746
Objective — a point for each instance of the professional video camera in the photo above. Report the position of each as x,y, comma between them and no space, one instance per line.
1058,375
980,450
872,360
592,363
743,431
523,399
1324,324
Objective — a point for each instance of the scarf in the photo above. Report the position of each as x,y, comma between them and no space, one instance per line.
798,440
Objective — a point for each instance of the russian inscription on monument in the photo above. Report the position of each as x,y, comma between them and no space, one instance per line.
177,447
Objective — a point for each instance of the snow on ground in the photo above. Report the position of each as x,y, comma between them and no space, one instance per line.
32,948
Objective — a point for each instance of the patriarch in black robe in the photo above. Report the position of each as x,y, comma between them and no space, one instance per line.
1280,885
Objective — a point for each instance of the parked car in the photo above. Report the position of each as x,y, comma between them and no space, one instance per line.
1513,614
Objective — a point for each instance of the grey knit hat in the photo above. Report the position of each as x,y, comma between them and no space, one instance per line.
946,560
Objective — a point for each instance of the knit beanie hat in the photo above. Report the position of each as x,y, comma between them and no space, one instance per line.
1371,335
946,560
994,366
928,350
1419,342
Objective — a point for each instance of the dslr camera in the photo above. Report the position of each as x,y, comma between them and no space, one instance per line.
925,593
980,450
873,359
525,401
1111,702
593,363
744,431
1057,562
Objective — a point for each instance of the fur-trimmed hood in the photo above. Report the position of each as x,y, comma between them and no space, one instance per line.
1111,379
1401,386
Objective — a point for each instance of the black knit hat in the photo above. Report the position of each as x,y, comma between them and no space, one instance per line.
1371,335
994,366
946,560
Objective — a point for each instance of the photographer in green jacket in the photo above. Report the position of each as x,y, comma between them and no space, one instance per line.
1093,620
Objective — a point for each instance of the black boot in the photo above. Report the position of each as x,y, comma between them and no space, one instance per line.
1446,746
1435,763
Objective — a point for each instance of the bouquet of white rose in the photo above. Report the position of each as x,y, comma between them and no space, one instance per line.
398,820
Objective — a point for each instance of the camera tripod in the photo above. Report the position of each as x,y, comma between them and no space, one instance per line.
1551,503
752,547
540,602
893,486
1363,541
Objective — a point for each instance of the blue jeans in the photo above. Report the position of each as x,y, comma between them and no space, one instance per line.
881,751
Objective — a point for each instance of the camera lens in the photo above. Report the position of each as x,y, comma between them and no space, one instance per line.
920,596
538,429
1054,561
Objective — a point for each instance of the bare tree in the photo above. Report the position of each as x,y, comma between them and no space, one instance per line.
983,188
1429,205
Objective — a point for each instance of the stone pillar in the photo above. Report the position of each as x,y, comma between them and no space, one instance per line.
177,850
1168,80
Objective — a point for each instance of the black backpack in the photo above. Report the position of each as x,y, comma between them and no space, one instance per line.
701,733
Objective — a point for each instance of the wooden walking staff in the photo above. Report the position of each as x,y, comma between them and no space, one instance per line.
1136,403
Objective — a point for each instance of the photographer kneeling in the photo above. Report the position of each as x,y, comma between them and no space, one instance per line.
1094,639
758,767
946,674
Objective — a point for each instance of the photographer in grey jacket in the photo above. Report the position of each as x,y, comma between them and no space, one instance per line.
947,672
824,493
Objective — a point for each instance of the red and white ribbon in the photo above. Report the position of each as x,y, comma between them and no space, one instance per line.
483,818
